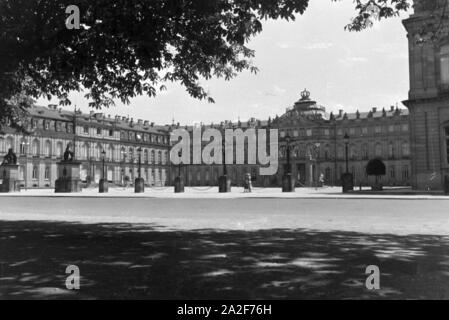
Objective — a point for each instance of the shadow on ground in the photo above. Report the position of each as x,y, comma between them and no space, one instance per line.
124,261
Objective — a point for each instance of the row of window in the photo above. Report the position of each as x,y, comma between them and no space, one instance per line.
312,152
149,156
129,135
352,132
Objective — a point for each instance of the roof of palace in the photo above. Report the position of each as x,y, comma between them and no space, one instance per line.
304,109
126,123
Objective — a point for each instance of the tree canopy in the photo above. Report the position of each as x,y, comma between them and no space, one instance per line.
375,167
126,48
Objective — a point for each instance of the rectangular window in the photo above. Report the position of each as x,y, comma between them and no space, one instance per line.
405,127
364,130
47,173
326,132
86,130
309,132
391,128
378,129
352,131
111,132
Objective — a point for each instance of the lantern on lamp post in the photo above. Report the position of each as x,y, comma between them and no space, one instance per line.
347,179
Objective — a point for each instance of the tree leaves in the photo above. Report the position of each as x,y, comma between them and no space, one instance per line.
126,48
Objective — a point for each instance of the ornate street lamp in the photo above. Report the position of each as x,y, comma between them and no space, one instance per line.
103,186
288,183
346,140
25,145
179,184
347,179
139,151
224,183
139,183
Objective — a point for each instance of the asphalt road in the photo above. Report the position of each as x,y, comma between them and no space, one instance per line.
360,215
223,249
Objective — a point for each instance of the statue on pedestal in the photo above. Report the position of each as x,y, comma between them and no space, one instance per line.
10,158
68,154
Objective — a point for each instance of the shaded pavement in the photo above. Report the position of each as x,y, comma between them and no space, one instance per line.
143,261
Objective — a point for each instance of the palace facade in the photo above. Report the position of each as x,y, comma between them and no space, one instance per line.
118,140
317,147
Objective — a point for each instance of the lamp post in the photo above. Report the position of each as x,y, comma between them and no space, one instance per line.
224,183
104,185
179,183
123,153
314,152
346,140
288,183
25,145
139,183
347,179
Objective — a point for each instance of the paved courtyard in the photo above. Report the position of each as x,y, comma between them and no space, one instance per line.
267,247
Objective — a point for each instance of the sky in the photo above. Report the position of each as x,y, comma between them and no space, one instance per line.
342,70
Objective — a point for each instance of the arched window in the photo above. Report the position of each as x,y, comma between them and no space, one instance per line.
35,148
444,64
153,156
110,153
365,154
123,154
131,154
391,150
47,148
47,173
352,152
35,173
378,150
340,152
327,152
59,150
145,156
405,148
9,143
23,146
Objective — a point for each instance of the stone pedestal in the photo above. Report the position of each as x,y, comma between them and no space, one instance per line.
179,185
9,173
103,186
224,184
347,182
288,183
68,177
139,185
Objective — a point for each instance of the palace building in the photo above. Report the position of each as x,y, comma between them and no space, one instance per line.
119,140
318,147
